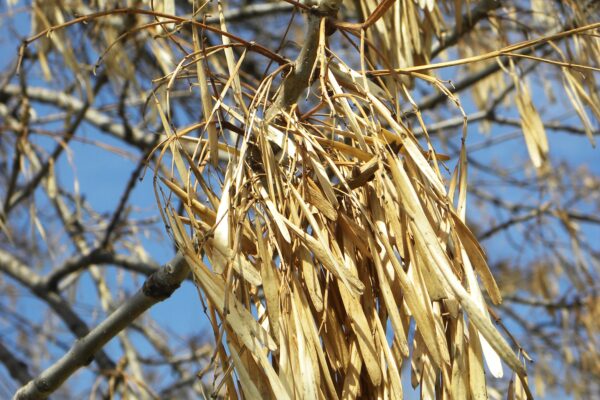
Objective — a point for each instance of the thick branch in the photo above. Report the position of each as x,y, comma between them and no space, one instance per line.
159,286
298,80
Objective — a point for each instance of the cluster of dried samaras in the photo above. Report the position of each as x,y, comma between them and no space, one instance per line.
330,250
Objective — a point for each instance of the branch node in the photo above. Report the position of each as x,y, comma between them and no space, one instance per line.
154,288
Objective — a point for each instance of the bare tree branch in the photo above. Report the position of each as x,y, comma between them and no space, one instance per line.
11,266
97,256
102,121
70,131
159,286
15,367
470,19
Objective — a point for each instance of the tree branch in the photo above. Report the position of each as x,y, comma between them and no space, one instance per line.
97,256
299,77
470,19
102,121
106,123
552,125
251,11
564,303
11,266
70,131
159,286
510,222
233,15
15,367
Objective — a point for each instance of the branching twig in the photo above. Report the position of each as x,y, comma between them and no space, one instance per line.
563,303
70,131
470,19
95,117
11,266
512,221
172,18
96,257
